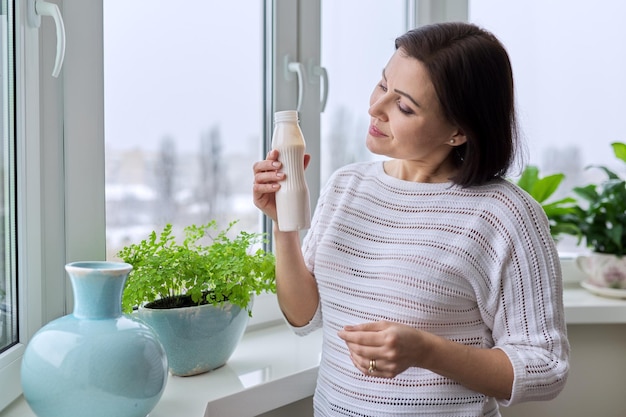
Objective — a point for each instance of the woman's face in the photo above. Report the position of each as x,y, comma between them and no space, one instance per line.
407,121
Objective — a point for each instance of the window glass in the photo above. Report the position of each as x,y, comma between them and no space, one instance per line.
568,62
8,301
183,114
357,41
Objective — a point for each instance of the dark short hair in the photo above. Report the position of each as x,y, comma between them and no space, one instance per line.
472,76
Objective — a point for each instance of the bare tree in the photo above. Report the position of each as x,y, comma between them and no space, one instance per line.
165,174
213,184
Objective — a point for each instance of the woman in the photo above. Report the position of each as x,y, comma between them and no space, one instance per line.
435,280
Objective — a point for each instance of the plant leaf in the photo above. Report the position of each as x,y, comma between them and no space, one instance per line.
619,149
546,186
529,177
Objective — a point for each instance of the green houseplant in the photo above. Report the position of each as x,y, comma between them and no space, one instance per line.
601,222
204,268
197,294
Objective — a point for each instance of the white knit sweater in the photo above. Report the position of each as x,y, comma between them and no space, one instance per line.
475,265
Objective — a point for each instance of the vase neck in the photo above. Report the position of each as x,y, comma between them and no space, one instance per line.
97,288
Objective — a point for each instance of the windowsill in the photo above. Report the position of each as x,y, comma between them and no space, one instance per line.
583,307
272,367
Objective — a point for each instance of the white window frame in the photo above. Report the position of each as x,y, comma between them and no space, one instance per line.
290,42
28,204
296,36
424,12
60,132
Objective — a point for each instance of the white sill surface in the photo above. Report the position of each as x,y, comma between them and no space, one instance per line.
272,367
583,307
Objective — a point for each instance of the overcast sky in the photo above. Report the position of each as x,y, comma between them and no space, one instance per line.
177,68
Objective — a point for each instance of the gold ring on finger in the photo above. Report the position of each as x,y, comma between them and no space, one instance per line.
372,367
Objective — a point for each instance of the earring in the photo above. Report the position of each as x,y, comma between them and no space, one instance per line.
451,141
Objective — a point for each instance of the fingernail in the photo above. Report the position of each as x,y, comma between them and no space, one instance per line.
275,164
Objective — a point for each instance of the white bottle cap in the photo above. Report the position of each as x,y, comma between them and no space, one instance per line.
286,116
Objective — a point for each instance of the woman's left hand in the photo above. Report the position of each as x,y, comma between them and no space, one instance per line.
385,349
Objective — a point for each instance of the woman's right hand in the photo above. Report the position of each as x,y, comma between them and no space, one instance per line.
267,176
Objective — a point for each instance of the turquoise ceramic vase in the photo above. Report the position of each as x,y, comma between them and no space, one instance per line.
96,361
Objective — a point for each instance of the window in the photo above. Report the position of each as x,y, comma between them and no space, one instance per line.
8,277
184,118
183,115
189,109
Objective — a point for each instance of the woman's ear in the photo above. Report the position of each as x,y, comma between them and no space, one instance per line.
458,138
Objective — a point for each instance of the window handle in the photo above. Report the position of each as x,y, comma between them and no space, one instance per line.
298,68
38,8
321,72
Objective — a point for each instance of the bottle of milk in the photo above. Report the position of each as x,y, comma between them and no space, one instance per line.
292,198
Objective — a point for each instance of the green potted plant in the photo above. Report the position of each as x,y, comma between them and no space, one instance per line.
208,280
601,222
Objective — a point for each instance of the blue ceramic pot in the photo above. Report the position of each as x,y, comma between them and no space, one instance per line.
94,362
197,339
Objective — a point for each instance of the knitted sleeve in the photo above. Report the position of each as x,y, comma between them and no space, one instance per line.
525,310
